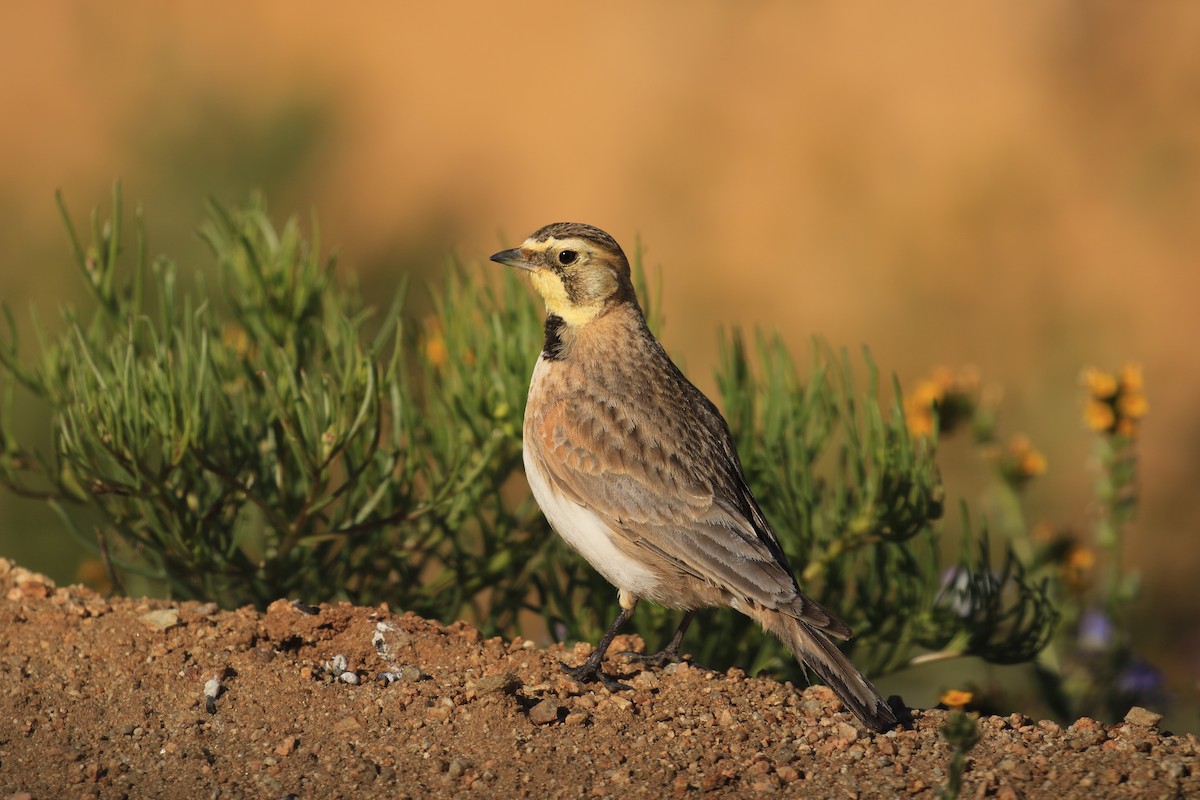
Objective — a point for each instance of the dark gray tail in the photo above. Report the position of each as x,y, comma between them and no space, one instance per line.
814,650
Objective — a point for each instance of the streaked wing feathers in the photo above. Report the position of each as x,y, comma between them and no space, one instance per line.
701,519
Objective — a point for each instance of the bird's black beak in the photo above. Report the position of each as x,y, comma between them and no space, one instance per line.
511,258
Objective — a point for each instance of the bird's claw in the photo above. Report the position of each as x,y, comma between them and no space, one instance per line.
587,672
653,660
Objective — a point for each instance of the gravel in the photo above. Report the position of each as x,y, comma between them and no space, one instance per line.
108,698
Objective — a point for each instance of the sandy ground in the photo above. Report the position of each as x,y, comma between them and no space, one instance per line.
116,698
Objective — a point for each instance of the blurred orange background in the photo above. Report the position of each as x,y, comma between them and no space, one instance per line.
1013,186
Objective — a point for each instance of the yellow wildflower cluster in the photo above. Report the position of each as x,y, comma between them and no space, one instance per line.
1020,461
1115,403
952,397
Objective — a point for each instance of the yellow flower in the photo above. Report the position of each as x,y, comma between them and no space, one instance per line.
435,351
952,396
1027,461
918,407
919,419
929,392
1101,384
1077,567
956,699
1132,405
1099,415
1032,464
1131,377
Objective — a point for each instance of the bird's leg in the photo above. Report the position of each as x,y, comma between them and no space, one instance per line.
591,668
670,653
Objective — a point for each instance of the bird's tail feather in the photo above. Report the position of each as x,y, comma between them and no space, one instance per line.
820,655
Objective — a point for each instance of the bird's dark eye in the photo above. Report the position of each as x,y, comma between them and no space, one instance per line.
566,257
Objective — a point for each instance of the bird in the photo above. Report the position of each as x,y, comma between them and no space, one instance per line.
636,469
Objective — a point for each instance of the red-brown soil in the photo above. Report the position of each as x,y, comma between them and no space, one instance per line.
106,698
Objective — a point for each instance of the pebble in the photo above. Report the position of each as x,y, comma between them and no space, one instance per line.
847,731
544,712
336,665
623,703
161,619
412,674
504,683
1142,716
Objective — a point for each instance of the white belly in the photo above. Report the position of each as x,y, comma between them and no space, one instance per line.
587,533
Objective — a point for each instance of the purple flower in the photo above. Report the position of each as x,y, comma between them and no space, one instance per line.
1141,682
1095,631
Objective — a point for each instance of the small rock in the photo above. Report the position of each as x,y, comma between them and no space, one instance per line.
645,680
160,619
1142,716
787,773
504,683
623,703
349,724
783,754
1085,725
336,665
349,677
212,690
287,746
767,783
412,674
577,718
847,731
36,588
544,712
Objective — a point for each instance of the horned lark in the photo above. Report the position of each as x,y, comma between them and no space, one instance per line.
636,469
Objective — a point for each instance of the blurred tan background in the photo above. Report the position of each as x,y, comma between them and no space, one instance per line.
1014,186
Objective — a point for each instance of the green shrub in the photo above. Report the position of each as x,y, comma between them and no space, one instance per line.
278,437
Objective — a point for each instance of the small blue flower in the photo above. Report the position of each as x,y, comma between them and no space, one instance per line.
1095,631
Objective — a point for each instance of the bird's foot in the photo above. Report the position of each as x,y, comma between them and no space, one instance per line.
588,671
653,660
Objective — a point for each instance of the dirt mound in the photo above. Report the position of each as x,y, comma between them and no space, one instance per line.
118,698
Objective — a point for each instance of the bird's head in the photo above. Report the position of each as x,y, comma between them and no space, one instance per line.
579,271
